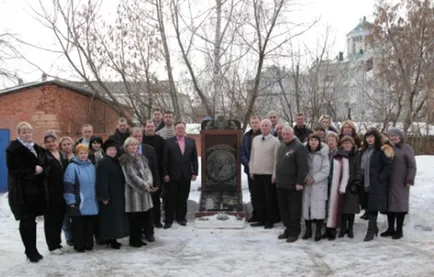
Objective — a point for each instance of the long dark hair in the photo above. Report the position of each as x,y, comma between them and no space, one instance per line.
378,139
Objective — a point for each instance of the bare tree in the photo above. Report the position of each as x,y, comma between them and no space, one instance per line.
8,52
115,60
270,24
402,36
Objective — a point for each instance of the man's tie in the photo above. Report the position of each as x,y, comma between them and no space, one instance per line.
181,143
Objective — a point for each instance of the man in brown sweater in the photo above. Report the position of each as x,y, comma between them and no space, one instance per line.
262,168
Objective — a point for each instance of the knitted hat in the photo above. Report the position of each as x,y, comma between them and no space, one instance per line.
396,132
49,135
110,143
93,139
319,126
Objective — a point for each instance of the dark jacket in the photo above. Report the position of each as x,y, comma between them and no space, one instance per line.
120,137
175,164
27,191
55,181
380,170
159,127
292,164
246,148
302,133
351,198
110,186
158,143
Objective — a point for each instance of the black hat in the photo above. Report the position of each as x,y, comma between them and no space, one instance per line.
110,143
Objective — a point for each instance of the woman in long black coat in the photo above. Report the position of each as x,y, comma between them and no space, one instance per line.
351,203
376,163
27,167
53,218
110,190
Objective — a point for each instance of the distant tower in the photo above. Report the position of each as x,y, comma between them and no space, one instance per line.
356,39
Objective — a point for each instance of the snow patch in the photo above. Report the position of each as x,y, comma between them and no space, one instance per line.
220,221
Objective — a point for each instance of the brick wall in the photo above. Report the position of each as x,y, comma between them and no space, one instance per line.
50,107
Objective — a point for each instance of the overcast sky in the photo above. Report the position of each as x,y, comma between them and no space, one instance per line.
16,17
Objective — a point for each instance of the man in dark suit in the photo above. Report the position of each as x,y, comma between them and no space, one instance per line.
150,154
180,167
150,138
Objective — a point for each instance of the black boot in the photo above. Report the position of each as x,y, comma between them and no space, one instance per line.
391,226
332,235
351,218
326,234
318,231
28,236
308,233
372,227
399,223
343,229
284,235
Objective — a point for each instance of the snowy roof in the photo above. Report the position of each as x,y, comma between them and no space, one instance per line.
363,25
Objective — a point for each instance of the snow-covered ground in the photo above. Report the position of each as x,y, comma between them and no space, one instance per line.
186,251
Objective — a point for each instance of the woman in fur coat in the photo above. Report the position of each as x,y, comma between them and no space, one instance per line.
315,190
138,188
376,164
27,185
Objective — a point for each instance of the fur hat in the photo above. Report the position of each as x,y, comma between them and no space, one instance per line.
396,132
110,143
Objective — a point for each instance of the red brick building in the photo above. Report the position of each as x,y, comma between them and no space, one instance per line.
55,105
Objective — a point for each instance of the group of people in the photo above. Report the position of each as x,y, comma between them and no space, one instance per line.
100,191
325,177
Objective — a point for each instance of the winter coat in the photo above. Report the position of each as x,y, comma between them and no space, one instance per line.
55,182
380,170
315,195
351,198
403,173
27,191
79,182
302,133
246,148
291,164
110,186
120,137
137,176
340,177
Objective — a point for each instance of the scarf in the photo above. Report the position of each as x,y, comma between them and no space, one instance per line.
29,145
366,159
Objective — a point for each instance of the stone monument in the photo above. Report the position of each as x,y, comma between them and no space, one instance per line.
221,200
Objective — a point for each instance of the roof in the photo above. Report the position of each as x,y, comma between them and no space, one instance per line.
58,83
363,25
79,89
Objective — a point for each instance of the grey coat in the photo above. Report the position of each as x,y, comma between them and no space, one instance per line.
315,195
137,176
403,173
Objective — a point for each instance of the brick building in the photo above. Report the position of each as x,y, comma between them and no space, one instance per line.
55,105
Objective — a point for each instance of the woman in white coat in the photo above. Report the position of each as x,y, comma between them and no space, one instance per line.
315,189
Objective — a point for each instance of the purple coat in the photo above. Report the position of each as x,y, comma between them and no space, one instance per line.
403,173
